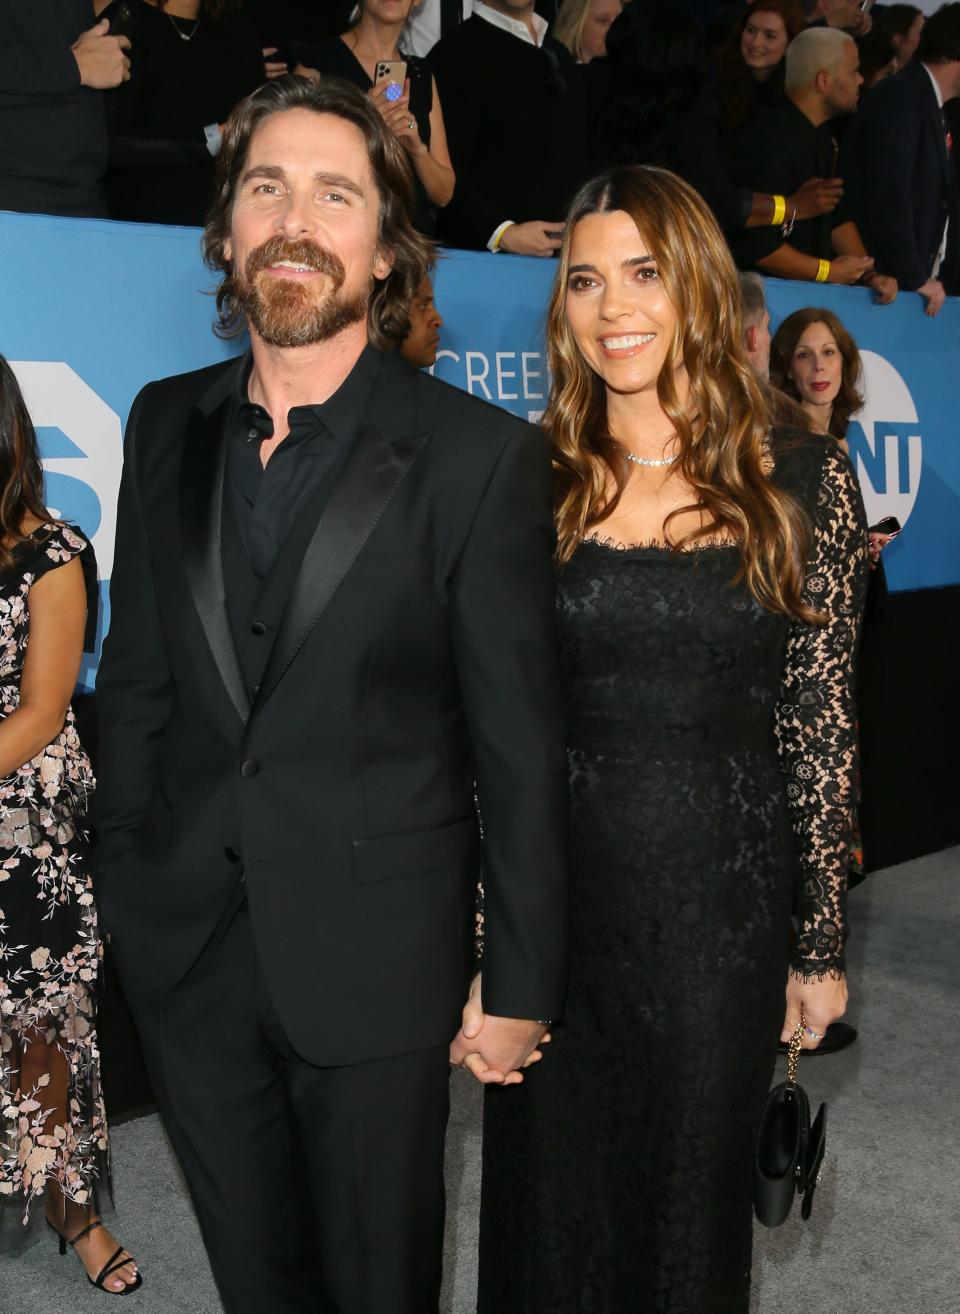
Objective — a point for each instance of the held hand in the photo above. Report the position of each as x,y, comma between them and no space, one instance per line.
274,68
100,57
536,238
933,291
818,1002
484,1056
815,197
849,269
884,288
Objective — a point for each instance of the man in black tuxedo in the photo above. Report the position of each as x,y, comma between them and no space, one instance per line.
332,617
904,184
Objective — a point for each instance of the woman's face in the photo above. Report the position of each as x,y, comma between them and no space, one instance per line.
616,306
817,366
906,45
387,11
593,39
764,43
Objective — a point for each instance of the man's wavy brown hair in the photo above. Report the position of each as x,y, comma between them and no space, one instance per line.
722,428
849,399
409,251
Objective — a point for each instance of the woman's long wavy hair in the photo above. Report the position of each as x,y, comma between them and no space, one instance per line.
850,398
411,253
21,474
722,427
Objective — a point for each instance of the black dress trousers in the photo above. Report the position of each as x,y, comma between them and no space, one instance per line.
318,1190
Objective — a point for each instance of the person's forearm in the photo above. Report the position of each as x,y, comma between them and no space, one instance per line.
846,240
788,262
25,733
761,211
38,70
438,179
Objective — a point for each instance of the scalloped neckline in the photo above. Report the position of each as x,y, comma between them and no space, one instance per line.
656,545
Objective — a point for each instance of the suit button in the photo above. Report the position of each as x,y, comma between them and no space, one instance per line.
258,628
231,854
250,767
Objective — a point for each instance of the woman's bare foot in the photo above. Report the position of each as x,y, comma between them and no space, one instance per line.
95,1250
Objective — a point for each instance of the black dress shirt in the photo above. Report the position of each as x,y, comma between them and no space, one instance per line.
776,152
267,500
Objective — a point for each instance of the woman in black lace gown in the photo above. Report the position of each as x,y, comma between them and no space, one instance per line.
711,582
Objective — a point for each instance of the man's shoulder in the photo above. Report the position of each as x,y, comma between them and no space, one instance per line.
777,123
189,389
446,409
464,39
894,96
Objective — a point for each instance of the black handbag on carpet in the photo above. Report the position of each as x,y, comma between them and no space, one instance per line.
790,1149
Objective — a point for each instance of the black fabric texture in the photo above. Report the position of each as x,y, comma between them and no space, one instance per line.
53,136
520,153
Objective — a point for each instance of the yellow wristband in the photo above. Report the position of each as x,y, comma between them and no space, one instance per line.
823,271
779,211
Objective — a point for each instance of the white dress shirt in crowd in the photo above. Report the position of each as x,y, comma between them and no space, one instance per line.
422,31
941,254
513,25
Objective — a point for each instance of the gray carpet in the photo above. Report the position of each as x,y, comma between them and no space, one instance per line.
883,1239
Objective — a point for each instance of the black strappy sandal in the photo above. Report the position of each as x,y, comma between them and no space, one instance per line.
109,1267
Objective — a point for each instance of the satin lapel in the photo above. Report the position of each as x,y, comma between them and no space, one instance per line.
373,470
201,509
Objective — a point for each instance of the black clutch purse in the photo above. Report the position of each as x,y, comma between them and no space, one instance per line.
790,1148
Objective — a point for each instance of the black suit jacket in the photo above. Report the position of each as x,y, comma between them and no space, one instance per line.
902,183
415,656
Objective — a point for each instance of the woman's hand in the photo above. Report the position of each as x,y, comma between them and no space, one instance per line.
817,1003
396,115
875,545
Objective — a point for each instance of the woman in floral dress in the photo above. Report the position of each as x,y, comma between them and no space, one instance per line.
53,1132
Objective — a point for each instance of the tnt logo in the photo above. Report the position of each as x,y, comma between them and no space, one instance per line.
885,443
82,450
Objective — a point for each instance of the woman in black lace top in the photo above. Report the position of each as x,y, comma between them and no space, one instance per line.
711,583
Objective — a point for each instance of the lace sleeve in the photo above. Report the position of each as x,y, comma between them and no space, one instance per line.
816,718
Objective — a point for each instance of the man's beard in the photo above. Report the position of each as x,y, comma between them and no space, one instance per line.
283,311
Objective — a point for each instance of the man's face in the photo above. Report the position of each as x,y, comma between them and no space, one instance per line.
421,343
758,344
304,229
842,86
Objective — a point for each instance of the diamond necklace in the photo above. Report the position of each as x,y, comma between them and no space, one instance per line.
648,460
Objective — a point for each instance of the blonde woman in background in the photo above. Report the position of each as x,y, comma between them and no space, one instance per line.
582,26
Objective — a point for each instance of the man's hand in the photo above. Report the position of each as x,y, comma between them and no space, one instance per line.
884,288
933,291
849,269
818,1003
506,1046
274,68
815,197
100,57
536,238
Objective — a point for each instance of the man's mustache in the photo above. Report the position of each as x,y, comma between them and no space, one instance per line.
303,252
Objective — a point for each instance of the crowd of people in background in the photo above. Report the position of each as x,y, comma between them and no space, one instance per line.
820,134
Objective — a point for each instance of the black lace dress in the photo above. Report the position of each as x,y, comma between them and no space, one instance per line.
711,748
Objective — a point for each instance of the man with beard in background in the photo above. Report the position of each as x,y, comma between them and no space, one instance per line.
332,613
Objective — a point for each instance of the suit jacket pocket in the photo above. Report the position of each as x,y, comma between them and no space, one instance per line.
413,852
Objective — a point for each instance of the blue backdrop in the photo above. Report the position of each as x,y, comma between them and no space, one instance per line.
93,310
